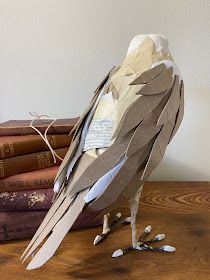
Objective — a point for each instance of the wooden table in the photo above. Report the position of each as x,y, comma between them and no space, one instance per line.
179,209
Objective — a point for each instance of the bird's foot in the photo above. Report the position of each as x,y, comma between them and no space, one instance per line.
144,244
114,224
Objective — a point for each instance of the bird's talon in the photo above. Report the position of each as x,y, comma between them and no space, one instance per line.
100,237
123,222
157,238
116,219
146,231
117,253
143,245
116,223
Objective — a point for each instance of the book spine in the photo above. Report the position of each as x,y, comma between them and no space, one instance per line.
15,127
16,225
36,200
39,179
29,131
30,162
23,146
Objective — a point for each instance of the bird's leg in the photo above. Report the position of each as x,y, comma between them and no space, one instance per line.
109,226
140,243
134,205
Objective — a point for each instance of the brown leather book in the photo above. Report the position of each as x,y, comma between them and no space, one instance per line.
15,225
22,127
30,162
38,179
11,146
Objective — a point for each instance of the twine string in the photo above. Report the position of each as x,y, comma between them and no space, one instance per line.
45,118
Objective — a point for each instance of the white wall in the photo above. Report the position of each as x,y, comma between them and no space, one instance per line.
54,52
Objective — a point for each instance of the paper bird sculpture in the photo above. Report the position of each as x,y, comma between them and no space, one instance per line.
118,141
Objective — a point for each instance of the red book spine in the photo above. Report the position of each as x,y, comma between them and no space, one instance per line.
38,179
37,200
15,225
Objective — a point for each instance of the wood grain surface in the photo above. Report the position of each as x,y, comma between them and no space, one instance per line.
179,209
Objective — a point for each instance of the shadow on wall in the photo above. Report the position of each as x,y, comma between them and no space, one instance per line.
174,170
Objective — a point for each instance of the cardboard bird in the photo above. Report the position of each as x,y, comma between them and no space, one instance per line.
118,141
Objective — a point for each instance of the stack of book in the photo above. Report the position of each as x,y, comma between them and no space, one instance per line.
27,173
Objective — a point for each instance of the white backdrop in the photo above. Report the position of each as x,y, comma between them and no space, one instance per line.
54,52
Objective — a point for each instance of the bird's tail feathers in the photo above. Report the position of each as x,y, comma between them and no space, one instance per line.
60,223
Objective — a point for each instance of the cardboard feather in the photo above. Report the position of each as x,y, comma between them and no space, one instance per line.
147,129
59,232
121,180
143,102
149,75
172,105
159,84
136,112
180,113
102,164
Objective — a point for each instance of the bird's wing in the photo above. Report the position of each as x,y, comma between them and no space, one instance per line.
150,137
138,127
76,131
144,105
64,203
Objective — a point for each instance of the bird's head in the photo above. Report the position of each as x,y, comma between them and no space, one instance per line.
161,42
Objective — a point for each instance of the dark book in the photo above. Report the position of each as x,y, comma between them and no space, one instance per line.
38,179
22,127
11,146
30,162
29,200
15,225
